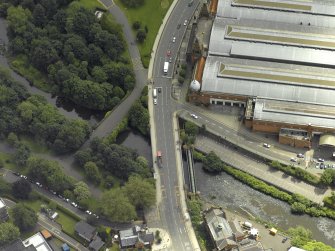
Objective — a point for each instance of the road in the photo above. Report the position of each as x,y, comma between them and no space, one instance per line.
11,178
260,170
171,215
53,228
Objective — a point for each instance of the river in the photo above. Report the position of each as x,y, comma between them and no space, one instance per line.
229,193
64,106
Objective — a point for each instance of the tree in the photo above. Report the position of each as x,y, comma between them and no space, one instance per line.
18,19
140,192
327,177
83,156
24,217
116,206
212,163
191,128
39,16
141,36
8,233
92,172
21,189
139,117
81,191
298,208
22,154
181,79
12,139
300,236
136,25
317,246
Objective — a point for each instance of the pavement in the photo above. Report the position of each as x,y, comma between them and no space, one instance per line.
260,170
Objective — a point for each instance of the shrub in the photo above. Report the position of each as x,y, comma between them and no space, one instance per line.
136,25
181,79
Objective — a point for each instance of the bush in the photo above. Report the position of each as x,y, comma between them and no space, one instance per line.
136,25
182,73
298,208
133,3
181,79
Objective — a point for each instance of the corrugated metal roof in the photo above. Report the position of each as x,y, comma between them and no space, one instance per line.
294,113
211,82
327,139
321,13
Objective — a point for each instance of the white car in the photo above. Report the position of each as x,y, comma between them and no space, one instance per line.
194,116
88,212
293,159
155,101
173,39
185,22
266,145
300,155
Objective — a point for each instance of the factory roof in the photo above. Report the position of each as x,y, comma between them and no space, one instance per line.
289,112
310,13
269,80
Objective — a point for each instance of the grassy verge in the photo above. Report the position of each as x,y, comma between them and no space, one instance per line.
7,161
151,15
34,145
21,65
89,4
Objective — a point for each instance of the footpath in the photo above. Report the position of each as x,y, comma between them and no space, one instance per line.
260,170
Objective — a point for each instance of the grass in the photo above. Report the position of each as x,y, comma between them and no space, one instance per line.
151,14
88,4
59,243
36,147
7,161
21,65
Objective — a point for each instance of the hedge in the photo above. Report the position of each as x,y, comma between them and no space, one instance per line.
122,126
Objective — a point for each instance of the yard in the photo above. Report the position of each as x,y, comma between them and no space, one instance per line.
151,14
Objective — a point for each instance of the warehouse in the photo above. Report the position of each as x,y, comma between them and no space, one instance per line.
277,59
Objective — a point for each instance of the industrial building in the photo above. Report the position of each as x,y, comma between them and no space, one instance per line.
277,60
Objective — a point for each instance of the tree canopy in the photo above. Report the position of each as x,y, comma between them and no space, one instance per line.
212,163
82,57
24,217
8,233
21,189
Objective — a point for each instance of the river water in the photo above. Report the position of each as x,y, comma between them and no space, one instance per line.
64,106
229,193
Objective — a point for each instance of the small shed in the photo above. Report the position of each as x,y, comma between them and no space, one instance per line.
65,247
46,234
273,231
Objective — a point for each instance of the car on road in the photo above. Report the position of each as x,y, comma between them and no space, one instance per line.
173,39
321,160
178,26
284,240
194,116
170,60
266,145
300,155
317,165
159,89
293,159
74,204
168,53
185,22
155,101
88,212
23,177
17,174
38,184
322,166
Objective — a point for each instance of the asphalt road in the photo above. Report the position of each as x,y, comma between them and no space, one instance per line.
171,216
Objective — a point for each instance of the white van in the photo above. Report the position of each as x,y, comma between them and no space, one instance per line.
154,93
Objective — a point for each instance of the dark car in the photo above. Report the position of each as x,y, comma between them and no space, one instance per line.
284,240
178,27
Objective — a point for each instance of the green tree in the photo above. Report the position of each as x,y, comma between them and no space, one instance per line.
18,19
327,177
191,128
92,172
298,208
300,236
8,233
116,206
139,117
83,156
12,139
39,16
136,25
317,246
21,189
212,163
141,36
140,192
99,75
22,154
81,191
24,217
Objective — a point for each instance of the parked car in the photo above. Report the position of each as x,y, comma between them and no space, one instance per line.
300,155
74,204
322,166
284,240
173,39
38,184
293,159
168,53
266,145
88,212
17,174
321,160
178,26
185,22
194,116
155,101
